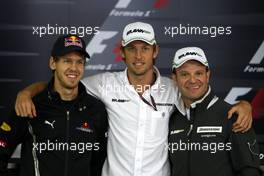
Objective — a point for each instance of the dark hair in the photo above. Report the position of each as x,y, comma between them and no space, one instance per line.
57,58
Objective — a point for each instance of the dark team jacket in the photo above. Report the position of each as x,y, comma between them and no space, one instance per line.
205,145
65,139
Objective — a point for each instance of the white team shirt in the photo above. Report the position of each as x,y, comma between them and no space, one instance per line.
137,136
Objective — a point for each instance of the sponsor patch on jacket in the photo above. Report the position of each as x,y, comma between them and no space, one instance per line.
208,135
85,127
51,124
3,143
209,129
164,104
5,126
119,100
176,131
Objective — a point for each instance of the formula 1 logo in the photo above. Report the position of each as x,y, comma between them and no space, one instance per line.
256,60
161,4
123,4
158,4
236,92
96,45
117,52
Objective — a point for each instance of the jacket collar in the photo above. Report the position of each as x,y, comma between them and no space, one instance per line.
55,96
200,105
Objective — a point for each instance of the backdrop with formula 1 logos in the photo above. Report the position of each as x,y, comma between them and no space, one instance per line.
230,32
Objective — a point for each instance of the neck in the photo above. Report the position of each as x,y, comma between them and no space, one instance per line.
66,94
142,82
187,102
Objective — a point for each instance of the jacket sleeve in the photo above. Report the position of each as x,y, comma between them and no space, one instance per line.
99,156
13,131
245,153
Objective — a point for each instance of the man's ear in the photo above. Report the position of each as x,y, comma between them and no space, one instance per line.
208,73
156,51
122,54
174,77
52,63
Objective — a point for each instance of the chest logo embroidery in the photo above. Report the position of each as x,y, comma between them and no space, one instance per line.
50,123
176,131
85,127
209,129
5,126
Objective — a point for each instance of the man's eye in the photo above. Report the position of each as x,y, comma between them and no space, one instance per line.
184,74
66,61
199,73
81,62
130,48
146,48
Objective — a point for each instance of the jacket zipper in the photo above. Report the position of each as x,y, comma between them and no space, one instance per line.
34,154
67,141
189,134
189,154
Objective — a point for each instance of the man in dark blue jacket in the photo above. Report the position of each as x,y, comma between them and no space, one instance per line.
68,136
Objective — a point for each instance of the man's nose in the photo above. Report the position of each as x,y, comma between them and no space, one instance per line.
73,66
192,79
138,54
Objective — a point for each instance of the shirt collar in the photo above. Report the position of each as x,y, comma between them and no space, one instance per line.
193,105
181,107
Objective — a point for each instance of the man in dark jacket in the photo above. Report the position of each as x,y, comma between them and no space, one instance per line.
68,136
201,141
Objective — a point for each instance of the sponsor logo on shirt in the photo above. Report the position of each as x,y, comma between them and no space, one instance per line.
176,131
5,126
209,129
208,135
119,100
50,123
164,104
85,127
3,143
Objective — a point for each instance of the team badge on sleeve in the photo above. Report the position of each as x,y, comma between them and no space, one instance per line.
5,127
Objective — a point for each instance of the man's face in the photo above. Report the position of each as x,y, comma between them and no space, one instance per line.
68,70
139,57
192,80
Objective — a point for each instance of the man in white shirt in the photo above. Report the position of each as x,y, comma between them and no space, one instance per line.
139,102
